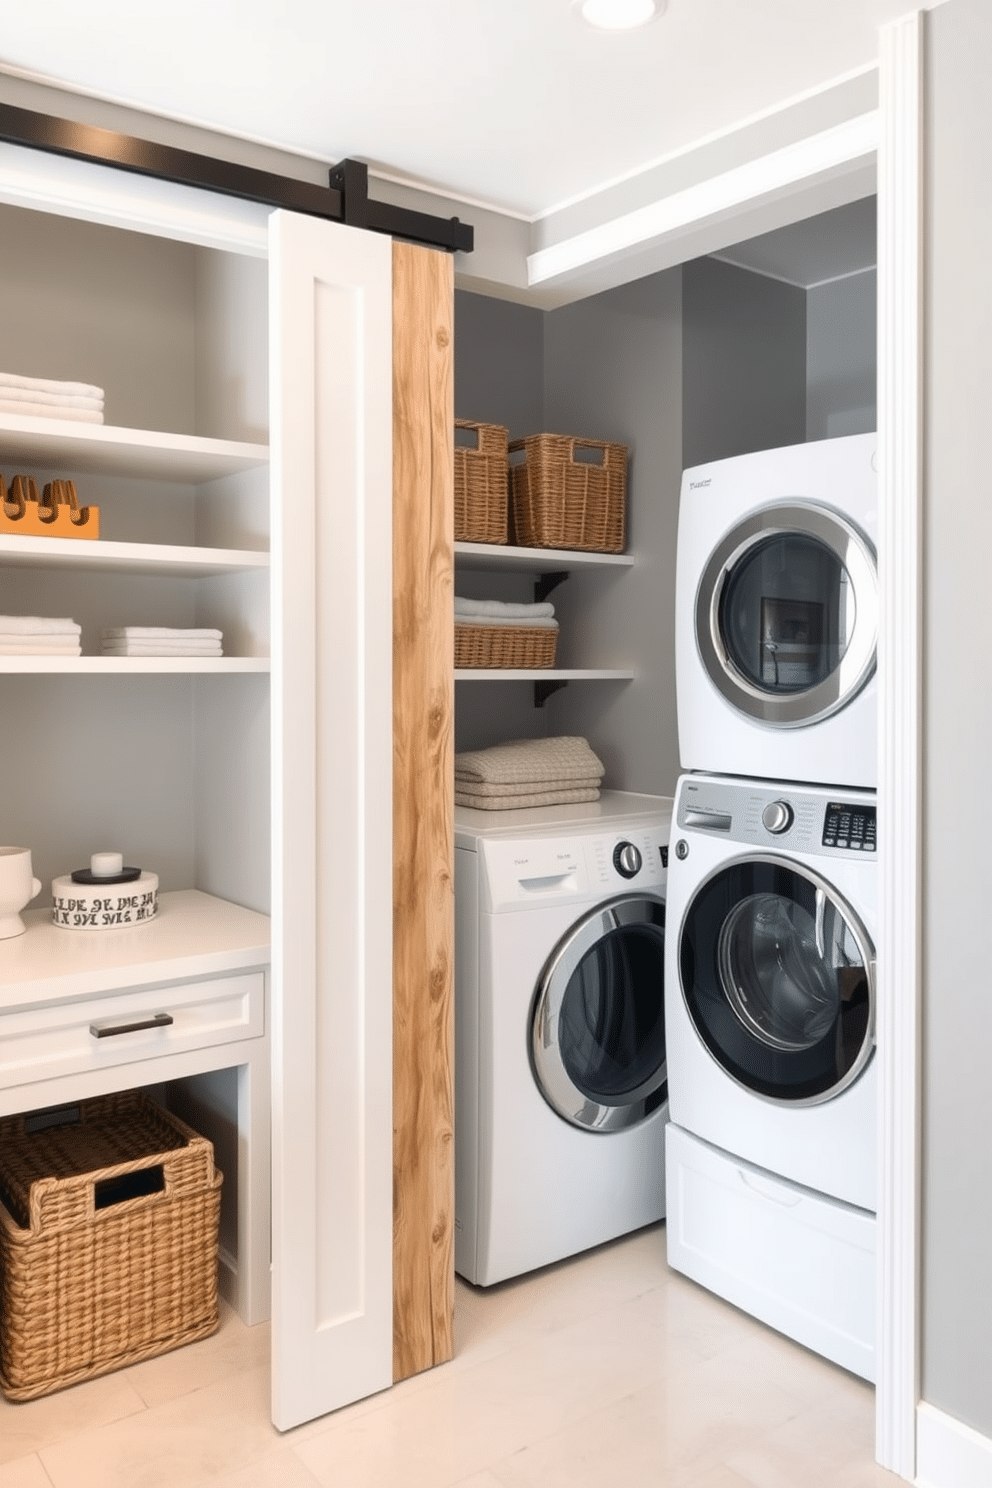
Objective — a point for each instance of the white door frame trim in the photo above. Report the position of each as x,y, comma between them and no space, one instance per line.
900,470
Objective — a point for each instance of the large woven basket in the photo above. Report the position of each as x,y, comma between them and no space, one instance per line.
505,645
108,1241
561,501
481,482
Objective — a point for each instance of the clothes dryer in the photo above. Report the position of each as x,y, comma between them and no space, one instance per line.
777,612
770,1018
560,1054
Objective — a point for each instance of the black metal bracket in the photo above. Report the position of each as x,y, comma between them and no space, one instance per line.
547,688
345,202
351,179
545,583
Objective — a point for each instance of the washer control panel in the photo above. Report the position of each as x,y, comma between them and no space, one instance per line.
851,826
760,813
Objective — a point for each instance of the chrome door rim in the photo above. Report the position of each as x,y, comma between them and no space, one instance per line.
856,666
864,944
553,1079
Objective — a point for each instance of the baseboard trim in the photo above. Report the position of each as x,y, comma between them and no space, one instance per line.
950,1454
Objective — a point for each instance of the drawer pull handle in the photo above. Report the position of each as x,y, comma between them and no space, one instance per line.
159,1020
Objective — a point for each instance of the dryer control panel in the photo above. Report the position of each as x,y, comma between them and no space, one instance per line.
851,826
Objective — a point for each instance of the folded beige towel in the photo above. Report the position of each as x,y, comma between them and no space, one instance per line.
554,761
476,788
36,625
44,410
51,386
160,648
512,803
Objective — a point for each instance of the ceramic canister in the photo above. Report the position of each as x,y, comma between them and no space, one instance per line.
110,897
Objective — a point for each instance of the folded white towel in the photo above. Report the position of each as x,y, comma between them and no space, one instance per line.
48,385
42,410
159,648
36,625
557,760
496,607
513,803
158,633
27,647
50,400
527,622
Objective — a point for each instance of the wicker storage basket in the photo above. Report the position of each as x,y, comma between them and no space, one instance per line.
561,502
481,483
505,645
108,1241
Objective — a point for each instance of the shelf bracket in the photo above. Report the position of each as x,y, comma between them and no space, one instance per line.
544,690
546,582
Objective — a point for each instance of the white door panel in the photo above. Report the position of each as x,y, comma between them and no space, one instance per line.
331,390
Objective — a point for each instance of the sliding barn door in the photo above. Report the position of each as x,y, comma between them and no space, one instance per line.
330,358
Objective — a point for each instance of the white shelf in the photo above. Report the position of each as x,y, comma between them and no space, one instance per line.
61,444
124,557
494,557
543,674
193,935
119,665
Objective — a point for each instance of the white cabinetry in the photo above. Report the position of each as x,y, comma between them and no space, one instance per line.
244,482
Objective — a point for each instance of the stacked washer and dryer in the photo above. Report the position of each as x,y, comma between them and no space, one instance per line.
770,959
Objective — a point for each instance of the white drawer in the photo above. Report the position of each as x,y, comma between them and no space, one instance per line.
121,1027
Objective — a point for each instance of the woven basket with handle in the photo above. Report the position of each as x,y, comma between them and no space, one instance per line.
481,482
108,1241
568,493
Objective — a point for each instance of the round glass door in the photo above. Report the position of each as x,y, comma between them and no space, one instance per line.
778,977
597,1034
786,615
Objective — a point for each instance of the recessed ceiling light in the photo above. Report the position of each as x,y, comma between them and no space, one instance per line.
619,15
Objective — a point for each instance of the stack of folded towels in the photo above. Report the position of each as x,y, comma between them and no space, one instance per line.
36,635
157,640
495,612
528,772
38,397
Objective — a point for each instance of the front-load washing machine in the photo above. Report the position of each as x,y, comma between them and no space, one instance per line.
770,1018
777,612
560,1056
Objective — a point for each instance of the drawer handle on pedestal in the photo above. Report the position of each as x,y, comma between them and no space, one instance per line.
159,1020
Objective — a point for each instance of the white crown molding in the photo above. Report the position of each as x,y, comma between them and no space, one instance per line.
900,445
846,147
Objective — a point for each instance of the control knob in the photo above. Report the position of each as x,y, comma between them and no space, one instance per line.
777,816
627,859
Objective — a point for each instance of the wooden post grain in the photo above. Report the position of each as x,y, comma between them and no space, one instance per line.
423,841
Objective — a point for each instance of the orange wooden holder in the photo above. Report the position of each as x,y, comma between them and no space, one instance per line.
56,513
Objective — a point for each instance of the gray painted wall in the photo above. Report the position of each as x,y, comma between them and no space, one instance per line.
957,888
613,370
743,362
841,357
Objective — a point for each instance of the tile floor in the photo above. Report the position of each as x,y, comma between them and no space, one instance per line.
605,1370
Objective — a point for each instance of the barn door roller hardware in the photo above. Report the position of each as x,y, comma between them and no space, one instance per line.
344,199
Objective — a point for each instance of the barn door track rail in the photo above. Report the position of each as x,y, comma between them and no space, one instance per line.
344,199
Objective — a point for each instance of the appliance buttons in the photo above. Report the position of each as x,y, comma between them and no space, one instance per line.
681,849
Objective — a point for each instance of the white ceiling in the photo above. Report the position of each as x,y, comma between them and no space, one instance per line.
514,104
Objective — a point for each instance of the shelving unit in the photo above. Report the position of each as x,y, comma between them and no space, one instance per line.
550,567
